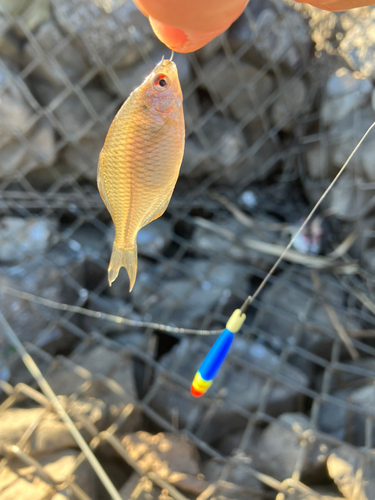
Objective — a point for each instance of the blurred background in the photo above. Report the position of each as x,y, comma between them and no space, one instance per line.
273,108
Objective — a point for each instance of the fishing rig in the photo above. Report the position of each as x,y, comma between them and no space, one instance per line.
214,359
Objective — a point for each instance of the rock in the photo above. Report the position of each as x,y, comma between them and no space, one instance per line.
33,15
210,243
28,320
84,154
23,316
190,297
373,100
192,112
195,162
119,38
72,62
72,114
251,87
319,164
266,28
279,449
291,103
50,434
345,423
225,142
144,488
317,493
242,388
153,239
352,472
289,300
225,145
358,45
19,480
107,376
173,458
351,198
10,46
24,238
16,113
345,92
234,481
109,305
345,135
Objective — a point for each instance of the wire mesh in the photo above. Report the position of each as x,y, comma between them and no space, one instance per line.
296,393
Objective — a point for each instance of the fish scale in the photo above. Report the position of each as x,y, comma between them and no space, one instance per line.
140,162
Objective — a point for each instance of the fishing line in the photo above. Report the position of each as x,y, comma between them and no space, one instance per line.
206,373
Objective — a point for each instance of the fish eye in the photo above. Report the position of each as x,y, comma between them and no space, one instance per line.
161,82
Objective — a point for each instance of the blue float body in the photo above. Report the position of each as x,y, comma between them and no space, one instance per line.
216,356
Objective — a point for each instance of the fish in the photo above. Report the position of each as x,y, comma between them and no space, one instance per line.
140,162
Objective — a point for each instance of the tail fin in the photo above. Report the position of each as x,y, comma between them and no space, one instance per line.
123,257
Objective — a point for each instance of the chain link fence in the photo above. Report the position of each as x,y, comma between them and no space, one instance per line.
273,108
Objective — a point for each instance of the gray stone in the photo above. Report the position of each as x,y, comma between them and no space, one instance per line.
19,480
232,482
316,493
39,147
288,309
187,299
70,62
347,424
274,33
291,103
241,86
10,47
108,305
211,243
352,198
119,38
280,447
73,115
153,239
353,473
319,164
345,135
104,374
192,112
83,156
222,147
225,143
243,388
33,15
47,280
23,238
344,93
